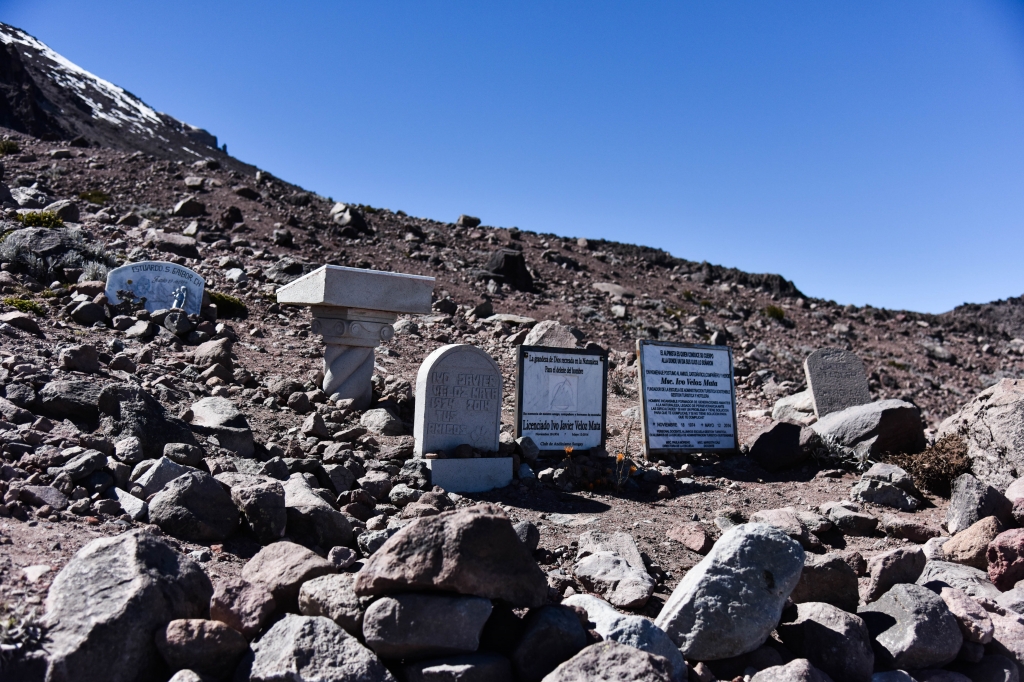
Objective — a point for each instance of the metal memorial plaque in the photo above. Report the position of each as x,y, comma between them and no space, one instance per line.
688,397
163,285
561,397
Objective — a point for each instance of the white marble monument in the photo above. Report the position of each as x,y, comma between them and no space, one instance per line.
164,285
458,400
354,311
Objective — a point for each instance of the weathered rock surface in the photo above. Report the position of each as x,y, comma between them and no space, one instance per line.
221,418
971,501
912,628
886,426
728,603
611,662
970,581
970,546
610,565
310,519
974,621
834,641
828,578
194,507
105,604
465,668
411,626
331,596
992,424
208,647
551,635
1006,559
282,568
261,500
128,410
472,551
313,649
900,565
798,670
241,605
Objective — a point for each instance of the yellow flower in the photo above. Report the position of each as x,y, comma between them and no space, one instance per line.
568,449
619,457
632,470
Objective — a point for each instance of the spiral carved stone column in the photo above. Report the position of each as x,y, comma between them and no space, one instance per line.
350,336
354,310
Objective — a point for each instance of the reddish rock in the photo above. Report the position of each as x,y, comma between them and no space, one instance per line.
1006,559
241,605
208,647
970,546
282,568
692,535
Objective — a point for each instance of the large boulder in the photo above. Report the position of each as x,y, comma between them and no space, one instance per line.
261,500
471,551
304,648
310,519
612,662
242,605
912,628
992,425
221,418
282,568
971,501
834,641
128,410
634,631
413,626
970,546
194,507
108,602
77,400
730,602
886,426
510,266
215,352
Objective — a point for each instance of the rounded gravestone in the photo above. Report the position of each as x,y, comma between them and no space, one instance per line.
458,400
836,380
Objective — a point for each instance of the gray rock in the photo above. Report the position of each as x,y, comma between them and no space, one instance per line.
781,445
608,574
829,579
171,242
184,454
341,478
401,495
634,631
469,551
528,535
993,668
204,646
12,413
39,495
971,581
128,410
377,483
241,605
104,606
382,422
834,641
177,322
194,507
189,207
130,505
414,626
129,450
83,464
331,596
900,565
159,474
466,668
77,400
886,426
65,209
890,473
992,424
912,628
971,501
1013,599
216,352
371,540
261,500
848,521
551,635
885,494
798,670
729,603
553,334
312,649
310,519
611,662
527,449
88,313
221,418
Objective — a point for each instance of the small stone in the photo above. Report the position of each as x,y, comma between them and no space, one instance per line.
83,358
970,546
1006,559
901,565
241,605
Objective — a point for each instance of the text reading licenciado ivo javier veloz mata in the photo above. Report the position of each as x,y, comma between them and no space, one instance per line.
688,398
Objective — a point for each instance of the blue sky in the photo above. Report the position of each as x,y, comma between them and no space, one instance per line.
872,152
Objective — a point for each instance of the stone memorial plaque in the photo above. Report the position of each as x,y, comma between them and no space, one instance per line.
458,400
164,285
688,397
561,397
836,380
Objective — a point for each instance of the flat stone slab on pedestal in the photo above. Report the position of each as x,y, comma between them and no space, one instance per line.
836,380
476,475
337,286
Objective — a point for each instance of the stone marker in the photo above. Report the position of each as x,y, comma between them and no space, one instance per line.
164,285
836,380
354,311
458,400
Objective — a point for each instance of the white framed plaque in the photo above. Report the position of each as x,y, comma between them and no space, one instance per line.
561,397
688,397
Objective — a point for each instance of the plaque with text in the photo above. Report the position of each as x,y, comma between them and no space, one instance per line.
561,397
688,397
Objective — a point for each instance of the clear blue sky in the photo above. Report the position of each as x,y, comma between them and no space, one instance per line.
872,152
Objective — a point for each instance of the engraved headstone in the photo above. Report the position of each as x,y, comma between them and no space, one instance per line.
561,397
163,285
458,400
836,380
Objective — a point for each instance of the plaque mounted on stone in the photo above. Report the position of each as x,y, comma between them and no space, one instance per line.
458,400
561,397
687,396
163,285
836,380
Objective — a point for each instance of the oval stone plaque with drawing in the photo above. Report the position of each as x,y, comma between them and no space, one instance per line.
688,397
560,397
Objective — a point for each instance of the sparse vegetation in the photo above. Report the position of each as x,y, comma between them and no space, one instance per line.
229,306
21,630
95,196
937,467
9,147
40,219
774,312
25,305
897,365
688,295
